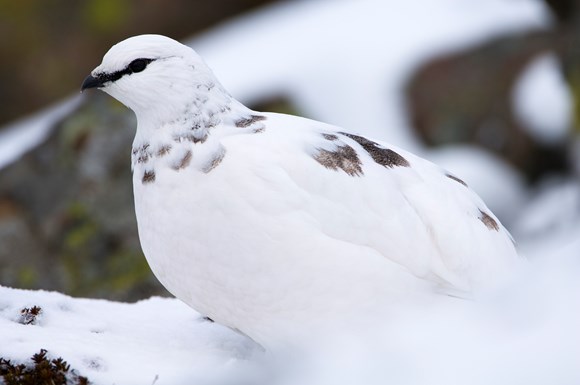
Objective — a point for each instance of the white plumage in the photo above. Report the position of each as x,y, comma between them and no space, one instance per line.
268,223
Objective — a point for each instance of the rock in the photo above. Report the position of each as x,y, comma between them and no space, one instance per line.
67,219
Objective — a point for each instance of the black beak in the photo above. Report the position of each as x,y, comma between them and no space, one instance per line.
92,82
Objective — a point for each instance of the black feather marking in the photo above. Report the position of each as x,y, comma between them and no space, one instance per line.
383,156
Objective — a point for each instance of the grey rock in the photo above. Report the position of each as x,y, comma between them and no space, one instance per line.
67,219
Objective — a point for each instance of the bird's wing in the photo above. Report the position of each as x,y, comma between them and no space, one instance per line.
409,210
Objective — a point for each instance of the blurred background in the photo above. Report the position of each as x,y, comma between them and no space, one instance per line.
489,90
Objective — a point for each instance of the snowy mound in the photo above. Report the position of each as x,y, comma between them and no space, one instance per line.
526,334
112,342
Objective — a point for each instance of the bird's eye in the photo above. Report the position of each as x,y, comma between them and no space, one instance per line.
138,65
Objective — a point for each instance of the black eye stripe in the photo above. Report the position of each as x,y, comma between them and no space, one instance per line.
136,65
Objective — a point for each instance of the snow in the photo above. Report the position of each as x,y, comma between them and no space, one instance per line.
525,333
111,342
551,220
543,100
345,62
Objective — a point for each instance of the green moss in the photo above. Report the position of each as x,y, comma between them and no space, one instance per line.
105,15
97,263
80,234
27,276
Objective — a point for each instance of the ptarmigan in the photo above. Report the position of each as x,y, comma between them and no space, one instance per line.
266,222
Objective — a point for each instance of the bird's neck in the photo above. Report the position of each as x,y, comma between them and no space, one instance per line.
190,111
186,124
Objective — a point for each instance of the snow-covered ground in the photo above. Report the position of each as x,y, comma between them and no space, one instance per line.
119,343
526,333
345,62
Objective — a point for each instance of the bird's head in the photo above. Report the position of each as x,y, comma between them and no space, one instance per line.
152,75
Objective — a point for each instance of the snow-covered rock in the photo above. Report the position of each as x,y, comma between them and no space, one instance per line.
543,100
19,137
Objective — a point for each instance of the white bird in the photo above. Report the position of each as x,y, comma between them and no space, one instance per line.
265,222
